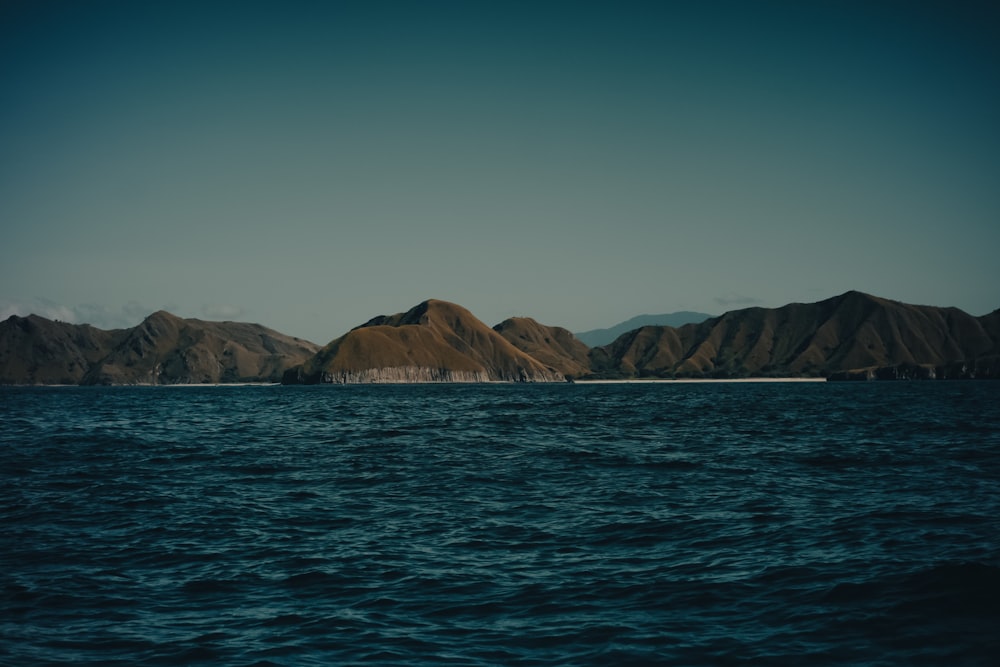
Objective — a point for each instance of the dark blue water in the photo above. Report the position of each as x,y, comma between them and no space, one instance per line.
684,524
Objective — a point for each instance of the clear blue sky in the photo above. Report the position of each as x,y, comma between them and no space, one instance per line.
308,165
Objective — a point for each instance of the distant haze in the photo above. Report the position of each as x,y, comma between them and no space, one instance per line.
595,337
308,166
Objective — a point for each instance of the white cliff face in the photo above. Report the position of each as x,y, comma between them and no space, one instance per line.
523,375
414,374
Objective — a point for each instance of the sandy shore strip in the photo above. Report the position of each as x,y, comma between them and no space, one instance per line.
698,380
214,384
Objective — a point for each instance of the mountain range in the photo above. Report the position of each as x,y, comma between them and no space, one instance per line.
853,335
597,337
850,336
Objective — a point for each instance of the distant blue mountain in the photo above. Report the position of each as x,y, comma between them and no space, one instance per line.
596,337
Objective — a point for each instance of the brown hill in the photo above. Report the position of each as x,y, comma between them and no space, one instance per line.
166,349
850,332
35,350
163,349
435,341
555,347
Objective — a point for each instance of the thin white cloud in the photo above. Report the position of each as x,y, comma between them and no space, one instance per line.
104,317
98,315
37,306
221,311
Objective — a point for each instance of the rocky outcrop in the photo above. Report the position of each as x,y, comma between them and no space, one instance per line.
435,341
163,349
960,370
401,375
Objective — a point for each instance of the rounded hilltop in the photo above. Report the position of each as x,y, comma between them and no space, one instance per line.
435,341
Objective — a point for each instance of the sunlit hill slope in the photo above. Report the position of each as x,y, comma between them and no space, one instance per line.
433,341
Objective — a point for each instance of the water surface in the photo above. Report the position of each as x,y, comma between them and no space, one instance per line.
501,524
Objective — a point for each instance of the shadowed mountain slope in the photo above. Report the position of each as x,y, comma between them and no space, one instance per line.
555,347
166,349
163,349
36,350
596,337
435,341
850,332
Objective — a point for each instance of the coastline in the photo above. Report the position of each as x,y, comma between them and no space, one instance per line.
698,380
278,384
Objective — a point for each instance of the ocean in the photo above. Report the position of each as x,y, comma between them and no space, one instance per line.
494,524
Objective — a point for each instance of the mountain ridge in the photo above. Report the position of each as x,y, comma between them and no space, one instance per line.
850,333
853,335
162,349
599,337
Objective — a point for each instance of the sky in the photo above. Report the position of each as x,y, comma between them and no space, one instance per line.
309,165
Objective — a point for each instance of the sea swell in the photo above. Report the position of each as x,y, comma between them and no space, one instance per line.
497,524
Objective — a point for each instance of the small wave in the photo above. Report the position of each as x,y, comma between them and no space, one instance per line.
316,579
832,461
670,464
211,586
285,620
963,589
